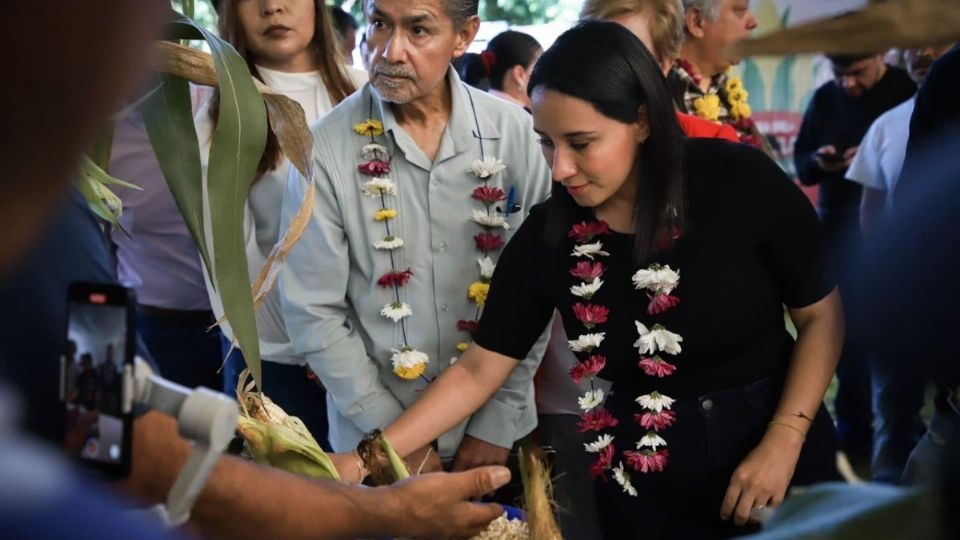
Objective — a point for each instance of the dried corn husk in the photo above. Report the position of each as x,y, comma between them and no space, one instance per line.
275,438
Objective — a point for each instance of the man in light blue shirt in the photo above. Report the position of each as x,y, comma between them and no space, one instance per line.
434,131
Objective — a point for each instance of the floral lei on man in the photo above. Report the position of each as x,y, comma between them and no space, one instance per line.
408,362
708,106
654,345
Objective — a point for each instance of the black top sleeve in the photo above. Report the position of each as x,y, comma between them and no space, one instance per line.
788,234
518,307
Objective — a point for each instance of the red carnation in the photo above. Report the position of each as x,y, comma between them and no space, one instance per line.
647,460
603,462
488,241
489,194
590,367
398,279
585,231
467,326
587,271
596,420
657,421
375,168
656,366
590,315
660,303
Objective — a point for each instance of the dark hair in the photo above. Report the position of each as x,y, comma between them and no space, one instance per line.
509,49
846,60
474,70
325,48
343,21
458,10
604,64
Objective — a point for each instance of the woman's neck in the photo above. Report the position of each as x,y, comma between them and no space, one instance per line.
304,62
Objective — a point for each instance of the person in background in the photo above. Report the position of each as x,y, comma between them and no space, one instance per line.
291,46
707,417
833,126
346,27
504,67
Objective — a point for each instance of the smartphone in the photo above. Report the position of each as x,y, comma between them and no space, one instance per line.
96,374
832,158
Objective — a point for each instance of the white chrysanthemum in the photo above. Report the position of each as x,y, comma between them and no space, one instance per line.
388,243
589,250
599,444
586,342
375,151
408,358
486,267
379,186
486,168
652,441
489,220
586,290
655,401
658,339
591,400
623,478
396,311
658,279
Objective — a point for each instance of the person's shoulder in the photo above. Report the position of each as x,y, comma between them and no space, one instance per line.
342,117
502,113
897,117
715,167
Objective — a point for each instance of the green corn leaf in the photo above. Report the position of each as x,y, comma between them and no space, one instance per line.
100,154
93,184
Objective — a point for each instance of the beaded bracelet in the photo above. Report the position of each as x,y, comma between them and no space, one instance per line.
786,425
798,414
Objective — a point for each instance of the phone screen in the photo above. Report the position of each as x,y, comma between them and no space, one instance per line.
99,345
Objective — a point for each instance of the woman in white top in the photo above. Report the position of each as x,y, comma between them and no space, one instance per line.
291,46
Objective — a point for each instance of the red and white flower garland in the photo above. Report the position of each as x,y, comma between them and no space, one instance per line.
659,282
409,363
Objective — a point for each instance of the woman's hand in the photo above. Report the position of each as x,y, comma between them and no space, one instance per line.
762,478
349,467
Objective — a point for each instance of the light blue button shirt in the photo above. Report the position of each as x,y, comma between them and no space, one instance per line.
331,300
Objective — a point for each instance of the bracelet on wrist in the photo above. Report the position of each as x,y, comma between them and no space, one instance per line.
798,414
803,436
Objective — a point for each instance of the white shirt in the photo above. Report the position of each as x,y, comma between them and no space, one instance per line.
262,219
879,160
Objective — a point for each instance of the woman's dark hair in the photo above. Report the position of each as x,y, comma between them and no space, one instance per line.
605,65
509,49
325,49
473,69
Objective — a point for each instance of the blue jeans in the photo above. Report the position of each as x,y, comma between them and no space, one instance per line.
290,387
898,393
181,345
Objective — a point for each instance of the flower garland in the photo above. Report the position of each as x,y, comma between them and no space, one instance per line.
653,344
709,106
409,363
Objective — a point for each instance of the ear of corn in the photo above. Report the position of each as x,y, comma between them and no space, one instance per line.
275,438
538,496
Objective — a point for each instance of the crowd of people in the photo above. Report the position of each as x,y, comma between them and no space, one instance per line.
586,247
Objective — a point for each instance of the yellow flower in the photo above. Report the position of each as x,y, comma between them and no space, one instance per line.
732,84
462,346
738,95
369,127
478,292
411,372
707,107
385,214
739,111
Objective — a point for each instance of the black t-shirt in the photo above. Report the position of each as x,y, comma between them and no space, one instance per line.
752,243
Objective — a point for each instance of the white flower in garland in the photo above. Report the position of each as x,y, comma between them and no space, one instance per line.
379,186
586,342
599,444
388,243
486,168
375,151
486,267
652,441
409,363
623,478
396,311
658,279
589,250
658,339
655,401
586,290
491,221
591,400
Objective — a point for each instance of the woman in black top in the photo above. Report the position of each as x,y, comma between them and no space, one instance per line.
670,261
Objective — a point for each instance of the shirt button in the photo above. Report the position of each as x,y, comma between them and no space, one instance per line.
445,307
442,246
707,404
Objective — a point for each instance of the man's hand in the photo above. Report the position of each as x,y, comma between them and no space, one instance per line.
437,506
823,159
474,452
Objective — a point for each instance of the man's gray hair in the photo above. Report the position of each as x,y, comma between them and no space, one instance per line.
709,8
461,10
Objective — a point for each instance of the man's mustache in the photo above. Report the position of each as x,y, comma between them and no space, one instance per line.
395,71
